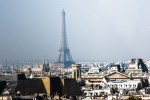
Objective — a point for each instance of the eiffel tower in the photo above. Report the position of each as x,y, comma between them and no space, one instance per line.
64,58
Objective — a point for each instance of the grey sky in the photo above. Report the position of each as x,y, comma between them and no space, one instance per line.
96,29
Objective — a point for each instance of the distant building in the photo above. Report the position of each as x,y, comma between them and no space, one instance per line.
38,70
115,68
136,66
46,67
118,76
94,70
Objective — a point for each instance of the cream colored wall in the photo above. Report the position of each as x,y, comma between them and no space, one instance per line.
117,76
46,82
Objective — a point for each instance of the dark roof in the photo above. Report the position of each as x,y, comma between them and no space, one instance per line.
30,87
2,86
71,87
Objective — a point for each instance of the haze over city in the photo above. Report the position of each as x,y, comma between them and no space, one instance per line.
96,30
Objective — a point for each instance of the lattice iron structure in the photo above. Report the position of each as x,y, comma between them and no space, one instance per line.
64,57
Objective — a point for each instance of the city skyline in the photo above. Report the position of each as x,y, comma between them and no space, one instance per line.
96,30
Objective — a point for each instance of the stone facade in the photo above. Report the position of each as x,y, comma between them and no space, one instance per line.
76,71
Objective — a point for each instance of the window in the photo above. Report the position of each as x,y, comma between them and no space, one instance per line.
91,93
121,86
96,94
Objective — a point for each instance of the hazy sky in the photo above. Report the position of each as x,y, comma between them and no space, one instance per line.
96,29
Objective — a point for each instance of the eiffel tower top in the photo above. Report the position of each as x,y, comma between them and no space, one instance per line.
64,57
63,12
64,44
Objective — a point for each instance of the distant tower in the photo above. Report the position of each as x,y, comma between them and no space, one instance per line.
64,58
46,67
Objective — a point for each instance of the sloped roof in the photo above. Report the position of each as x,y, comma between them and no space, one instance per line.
12,80
71,87
30,87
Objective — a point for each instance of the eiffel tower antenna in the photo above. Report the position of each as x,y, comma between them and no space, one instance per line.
64,57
